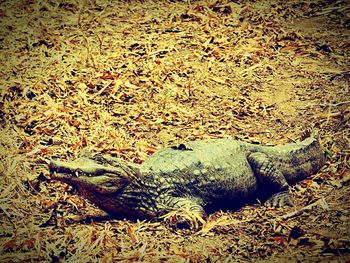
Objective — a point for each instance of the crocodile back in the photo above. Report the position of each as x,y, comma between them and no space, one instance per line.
212,170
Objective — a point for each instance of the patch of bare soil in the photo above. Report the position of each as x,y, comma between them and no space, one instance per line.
128,78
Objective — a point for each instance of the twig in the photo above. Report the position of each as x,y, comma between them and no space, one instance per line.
89,56
100,41
322,202
331,9
8,216
336,104
329,113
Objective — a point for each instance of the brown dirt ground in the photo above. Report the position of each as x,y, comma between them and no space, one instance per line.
127,78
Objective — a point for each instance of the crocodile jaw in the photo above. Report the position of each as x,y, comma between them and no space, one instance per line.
105,182
87,175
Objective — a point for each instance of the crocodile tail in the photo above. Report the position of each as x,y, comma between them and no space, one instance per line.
308,159
298,160
311,132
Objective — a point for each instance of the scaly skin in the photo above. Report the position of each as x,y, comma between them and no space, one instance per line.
199,174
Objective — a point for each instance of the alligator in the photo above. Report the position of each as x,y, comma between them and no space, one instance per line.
198,174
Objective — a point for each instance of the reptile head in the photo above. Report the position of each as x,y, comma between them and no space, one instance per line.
95,175
102,179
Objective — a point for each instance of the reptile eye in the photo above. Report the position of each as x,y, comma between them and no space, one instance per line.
108,184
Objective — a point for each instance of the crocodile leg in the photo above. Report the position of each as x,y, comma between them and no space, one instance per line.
192,204
271,177
192,210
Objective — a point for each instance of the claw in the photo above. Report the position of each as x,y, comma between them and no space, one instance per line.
280,199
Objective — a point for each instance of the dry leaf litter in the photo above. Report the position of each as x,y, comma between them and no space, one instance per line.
128,78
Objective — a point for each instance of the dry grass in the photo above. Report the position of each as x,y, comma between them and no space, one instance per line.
127,78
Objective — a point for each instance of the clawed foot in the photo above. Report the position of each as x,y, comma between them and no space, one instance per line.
280,199
184,219
179,222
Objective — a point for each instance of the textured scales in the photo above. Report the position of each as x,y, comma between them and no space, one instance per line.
214,173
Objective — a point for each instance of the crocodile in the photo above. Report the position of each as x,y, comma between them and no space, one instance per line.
198,174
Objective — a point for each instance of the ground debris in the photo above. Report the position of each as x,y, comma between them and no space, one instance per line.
130,77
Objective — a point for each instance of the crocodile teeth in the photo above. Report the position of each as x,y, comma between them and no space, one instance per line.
76,174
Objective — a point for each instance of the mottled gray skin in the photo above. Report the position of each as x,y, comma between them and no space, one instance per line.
200,174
